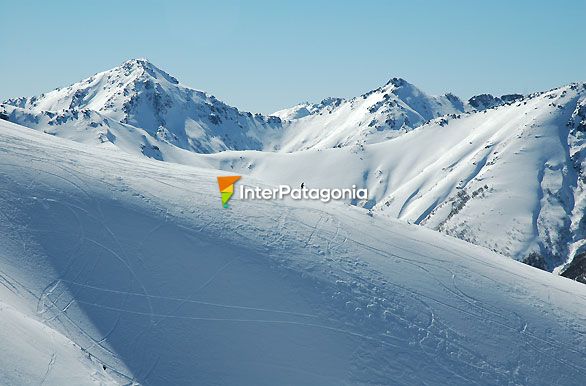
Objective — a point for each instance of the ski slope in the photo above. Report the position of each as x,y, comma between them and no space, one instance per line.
137,263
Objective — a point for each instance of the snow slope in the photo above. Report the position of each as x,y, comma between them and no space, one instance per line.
508,178
34,354
137,263
505,173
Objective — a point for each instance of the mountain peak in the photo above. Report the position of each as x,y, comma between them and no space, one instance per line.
141,60
398,82
402,88
141,66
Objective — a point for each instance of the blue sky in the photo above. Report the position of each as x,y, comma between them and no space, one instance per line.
265,55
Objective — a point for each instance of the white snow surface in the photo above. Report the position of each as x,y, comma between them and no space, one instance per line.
509,177
136,262
35,354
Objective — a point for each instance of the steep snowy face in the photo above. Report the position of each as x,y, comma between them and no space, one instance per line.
510,178
502,178
106,91
380,114
576,267
139,94
428,107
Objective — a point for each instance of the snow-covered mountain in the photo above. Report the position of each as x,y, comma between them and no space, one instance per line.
163,111
509,178
139,94
380,114
384,113
144,278
503,172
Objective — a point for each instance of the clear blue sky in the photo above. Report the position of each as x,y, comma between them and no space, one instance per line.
265,55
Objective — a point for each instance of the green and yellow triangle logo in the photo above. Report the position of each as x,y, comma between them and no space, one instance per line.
226,184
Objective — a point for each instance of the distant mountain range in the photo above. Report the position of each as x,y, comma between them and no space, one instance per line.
139,94
507,172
